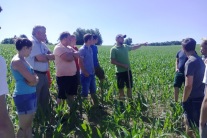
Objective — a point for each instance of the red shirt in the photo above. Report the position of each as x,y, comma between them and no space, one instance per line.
76,60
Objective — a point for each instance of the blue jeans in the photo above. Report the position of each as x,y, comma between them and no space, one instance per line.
26,103
88,83
192,110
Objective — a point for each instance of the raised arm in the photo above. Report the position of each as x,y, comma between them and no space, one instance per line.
136,46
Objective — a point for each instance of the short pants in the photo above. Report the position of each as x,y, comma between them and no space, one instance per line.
26,103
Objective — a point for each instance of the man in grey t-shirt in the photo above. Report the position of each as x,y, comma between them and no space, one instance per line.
194,88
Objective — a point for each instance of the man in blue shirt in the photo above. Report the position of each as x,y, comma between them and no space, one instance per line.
99,72
179,79
87,76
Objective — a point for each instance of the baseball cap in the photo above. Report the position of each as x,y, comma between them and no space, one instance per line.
120,35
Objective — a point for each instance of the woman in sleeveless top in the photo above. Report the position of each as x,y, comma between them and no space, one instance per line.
25,87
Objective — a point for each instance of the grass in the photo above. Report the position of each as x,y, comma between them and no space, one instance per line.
151,114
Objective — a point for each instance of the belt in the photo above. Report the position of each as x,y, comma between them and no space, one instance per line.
40,72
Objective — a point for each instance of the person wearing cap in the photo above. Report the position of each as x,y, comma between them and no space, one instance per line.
66,70
193,92
119,57
39,60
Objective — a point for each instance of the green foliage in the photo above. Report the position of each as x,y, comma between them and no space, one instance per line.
128,41
167,43
150,114
8,41
79,33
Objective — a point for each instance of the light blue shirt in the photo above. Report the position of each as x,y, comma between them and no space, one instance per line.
21,87
38,48
86,54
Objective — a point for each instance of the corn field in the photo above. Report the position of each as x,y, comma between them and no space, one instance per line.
152,113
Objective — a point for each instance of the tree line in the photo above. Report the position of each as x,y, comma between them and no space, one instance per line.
80,32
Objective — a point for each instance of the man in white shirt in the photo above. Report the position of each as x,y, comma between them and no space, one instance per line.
6,127
39,60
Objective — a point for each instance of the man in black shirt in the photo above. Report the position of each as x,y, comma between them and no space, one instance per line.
181,58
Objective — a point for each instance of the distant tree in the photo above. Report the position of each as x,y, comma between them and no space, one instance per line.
0,9
128,41
167,43
100,40
79,33
23,36
47,42
8,41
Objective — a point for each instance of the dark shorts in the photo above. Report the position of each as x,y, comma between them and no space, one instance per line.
78,77
123,79
99,72
26,103
179,79
192,111
67,85
88,84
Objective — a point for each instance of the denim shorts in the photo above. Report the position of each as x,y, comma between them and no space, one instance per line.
88,84
192,111
26,103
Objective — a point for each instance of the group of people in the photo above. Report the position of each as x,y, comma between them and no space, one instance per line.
191,70
73,67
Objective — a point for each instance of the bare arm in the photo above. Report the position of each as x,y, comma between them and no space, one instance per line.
86,74
176,65
203,116
187,88
136,46
113,61
67,56
30,78
44,57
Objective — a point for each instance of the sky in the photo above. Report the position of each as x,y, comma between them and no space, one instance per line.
142,20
